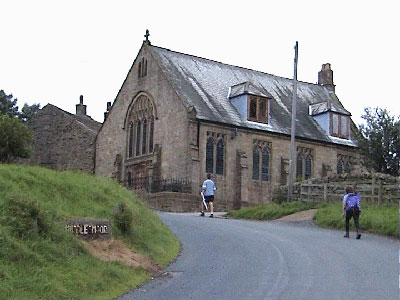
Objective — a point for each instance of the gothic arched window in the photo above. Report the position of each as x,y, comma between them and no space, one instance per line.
140,137
131,137
347,167
339,166
308,167
151,141
138,133
256,163
144,141
219,169
265,165
299,166
210,156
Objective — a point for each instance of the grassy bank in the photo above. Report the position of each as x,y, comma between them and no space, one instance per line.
376,219
40,260
270,211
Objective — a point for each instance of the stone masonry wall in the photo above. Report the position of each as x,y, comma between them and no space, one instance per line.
257,191
170,127
62,141
176,202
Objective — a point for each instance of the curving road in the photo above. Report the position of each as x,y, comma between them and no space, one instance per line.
236,259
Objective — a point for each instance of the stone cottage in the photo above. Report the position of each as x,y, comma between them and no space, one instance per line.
62,140
181,116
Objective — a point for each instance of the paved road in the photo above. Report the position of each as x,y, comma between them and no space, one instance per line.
235,259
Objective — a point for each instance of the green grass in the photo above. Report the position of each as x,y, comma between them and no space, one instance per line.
382,219
270,211
40,260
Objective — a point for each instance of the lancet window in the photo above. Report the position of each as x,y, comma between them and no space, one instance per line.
141,128
261,160
304,163
215,153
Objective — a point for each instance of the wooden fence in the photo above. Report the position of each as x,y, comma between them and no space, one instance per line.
372,190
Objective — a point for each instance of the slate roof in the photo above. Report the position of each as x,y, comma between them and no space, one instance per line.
323,107
205,85
86,122
247,88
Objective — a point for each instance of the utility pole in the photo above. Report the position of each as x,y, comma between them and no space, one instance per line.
293,128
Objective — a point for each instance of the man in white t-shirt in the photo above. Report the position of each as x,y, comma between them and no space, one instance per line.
208,189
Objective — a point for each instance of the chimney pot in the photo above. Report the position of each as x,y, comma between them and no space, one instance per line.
325,77
80,108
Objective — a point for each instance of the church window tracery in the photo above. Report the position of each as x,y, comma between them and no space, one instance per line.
304,163
219,169
256,163
308,166
151,139
144,141
131,137
210,156
344,164
140,139
215,153
265,165
261,160
138,134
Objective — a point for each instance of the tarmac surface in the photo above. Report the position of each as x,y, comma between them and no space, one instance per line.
236,259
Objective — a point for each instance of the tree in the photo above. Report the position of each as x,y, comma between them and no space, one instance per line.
15,139
28,111
380,142
8,105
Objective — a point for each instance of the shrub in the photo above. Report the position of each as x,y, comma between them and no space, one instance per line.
123,217
15,139
25,216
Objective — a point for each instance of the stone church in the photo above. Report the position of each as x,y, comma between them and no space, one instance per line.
181,116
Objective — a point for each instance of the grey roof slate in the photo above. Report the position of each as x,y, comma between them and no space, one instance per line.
323,107
247,88
205,85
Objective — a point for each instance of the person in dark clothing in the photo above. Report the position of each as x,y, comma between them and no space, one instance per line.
351,209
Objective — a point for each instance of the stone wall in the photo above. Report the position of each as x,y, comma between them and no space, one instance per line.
170,126
62,141
176,202
236,185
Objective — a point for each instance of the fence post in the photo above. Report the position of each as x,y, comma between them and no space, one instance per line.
373,189
325,192
380,192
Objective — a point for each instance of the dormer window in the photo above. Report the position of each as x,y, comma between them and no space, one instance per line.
333,118
251,102
258,109
340,125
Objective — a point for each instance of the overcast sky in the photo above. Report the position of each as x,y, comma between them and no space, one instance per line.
54,51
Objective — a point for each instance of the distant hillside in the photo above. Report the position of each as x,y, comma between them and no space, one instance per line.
39,259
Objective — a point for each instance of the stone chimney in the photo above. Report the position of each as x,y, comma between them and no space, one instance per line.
325,77
108,109
81,108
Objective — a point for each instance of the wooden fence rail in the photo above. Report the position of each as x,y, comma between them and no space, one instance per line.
372,191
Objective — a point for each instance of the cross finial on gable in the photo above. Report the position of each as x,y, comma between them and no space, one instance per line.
147,36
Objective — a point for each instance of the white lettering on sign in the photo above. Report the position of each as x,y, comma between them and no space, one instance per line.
84,229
